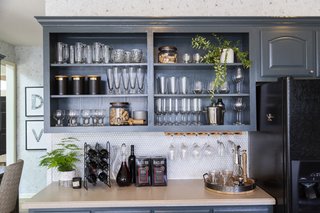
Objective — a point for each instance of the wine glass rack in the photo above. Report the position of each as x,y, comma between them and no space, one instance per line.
96,164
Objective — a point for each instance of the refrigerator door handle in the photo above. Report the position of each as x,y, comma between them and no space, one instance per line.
270,117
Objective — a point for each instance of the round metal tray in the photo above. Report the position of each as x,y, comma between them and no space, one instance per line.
248,187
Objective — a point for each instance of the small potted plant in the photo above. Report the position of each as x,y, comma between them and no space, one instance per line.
63,159
217,54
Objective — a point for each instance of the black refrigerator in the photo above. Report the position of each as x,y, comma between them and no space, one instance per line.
284,154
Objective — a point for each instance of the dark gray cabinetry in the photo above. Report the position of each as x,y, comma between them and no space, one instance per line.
146,34
190,209
288,52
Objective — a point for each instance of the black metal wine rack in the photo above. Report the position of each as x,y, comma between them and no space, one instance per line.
96,164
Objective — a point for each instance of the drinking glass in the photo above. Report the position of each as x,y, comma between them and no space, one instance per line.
133,79
106,53
196,151
88,54
117,55
59,116
136,55
117,79
239,106
170,110
65,53
79,52
226,175
127,57
199,111
183,151
176,111
221,148
98,116
125,79
71,54
162,85
110,80
97,52
172,85
164,111
208,150
172,152
224,88
86,117
197,87
184,110
140,78
60,46
238,78
158,111
183,85
194,111
73,116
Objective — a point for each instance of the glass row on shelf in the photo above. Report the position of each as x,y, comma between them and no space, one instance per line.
95,53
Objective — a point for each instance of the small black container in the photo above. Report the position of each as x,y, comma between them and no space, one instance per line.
61,84
77,182
77,84
94,84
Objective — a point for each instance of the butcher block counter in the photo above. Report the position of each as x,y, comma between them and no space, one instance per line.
179,196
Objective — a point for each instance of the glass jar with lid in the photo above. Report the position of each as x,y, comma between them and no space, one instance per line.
119,113
167,54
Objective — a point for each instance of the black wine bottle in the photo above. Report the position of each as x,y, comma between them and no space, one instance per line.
132,165
123,177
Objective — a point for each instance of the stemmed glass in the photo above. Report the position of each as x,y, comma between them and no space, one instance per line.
239,106
158,111
125,79
110,80
194,111
170,110
184,111
133,79
140,78
238,78
98,117
73,116
176,111
58,115
117,79
197,87
86,115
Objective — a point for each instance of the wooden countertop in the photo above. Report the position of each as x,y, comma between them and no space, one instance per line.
177,193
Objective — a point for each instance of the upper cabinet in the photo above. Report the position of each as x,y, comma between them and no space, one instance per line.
288,52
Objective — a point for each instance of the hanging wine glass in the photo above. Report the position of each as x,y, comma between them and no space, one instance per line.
238,79
239,106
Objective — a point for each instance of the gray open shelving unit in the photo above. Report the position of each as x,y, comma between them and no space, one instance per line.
147,34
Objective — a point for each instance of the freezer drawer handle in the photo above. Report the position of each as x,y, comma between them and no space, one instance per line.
269,117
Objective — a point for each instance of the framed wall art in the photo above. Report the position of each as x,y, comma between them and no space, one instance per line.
34,101
35,139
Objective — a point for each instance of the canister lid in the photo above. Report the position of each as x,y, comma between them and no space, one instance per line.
168,48
119,103
93,77
61,76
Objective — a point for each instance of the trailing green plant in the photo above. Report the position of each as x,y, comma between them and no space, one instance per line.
213,52
63,158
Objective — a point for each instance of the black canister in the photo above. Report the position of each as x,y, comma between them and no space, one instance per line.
221,111
61,84
94,84
77,84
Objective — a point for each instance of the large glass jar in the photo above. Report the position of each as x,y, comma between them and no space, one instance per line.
119,113
167,54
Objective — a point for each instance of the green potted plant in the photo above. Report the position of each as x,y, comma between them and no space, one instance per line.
63,159
217,54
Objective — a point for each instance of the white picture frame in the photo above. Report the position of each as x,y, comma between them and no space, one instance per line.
35,139
34,101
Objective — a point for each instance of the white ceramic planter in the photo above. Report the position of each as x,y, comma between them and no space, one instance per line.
66,178
230,56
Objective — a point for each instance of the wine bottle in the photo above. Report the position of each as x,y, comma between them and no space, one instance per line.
132,165
123,176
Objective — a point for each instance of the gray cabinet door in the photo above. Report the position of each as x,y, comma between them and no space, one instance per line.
245,209
288,53
122,211
183,211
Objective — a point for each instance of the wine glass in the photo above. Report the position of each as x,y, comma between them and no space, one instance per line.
239,106
184,110
238,78
73,116
197,87
117,79
226,174
176,111
158,111
133,79
110,80
170,110
125,79
194,111
86,115
140,78
98,117
58,115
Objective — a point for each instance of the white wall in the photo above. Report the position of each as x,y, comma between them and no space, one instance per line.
182,7
7,50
